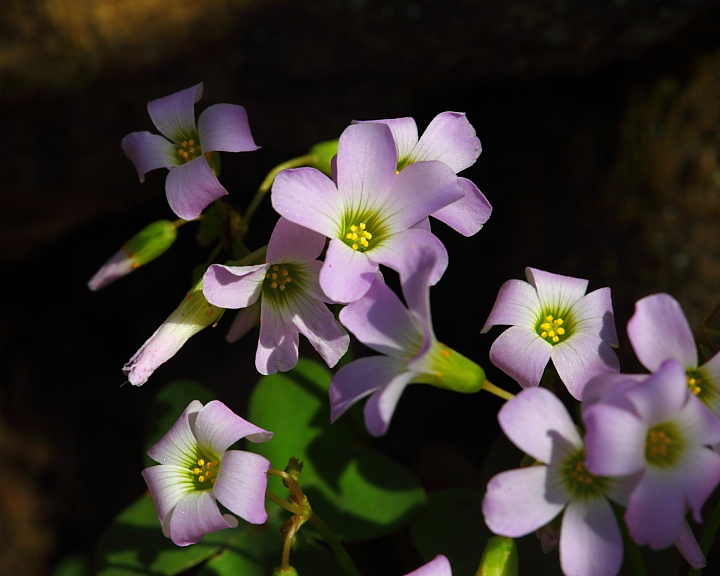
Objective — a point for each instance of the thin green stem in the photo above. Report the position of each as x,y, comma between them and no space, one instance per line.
497,391
287,505
343,558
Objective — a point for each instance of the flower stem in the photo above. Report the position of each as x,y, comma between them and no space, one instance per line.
499,392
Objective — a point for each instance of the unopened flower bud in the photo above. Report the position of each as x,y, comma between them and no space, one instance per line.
445,368
145,246
500,558
324,153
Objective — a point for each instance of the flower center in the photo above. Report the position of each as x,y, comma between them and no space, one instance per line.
282,280
552,328
694,382
579,480
277,278
205,473
189,150
664,444
358,237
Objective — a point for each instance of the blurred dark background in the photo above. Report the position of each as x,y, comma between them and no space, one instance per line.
600,125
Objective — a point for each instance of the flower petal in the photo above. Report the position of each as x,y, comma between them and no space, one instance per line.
580,358
225,128
590,539
309,198
290,242
241,483
217,428
593,314
538,423
700,475
179,445
615,440
468,214
521,354
658,330
688,546
245,320
554,290
438,566
233,286
662,395
149,151
121,264
279,340
451,139
191,187
517,304
195,515
405,134
318,324
168,484
174,115
520,501
346,274
380,407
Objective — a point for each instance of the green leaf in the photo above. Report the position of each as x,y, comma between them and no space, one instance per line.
134,545
358,492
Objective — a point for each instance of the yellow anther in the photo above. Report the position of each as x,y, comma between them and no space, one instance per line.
276,267
349,235
551,334
354,246
353,228
273,276
555,339
201,478
543,334
558,322
284,272
364,242
561,331
288,280
367,235
191,142
201,462
362,225
183,143
273,284
545,326
282,287
548,318
196,471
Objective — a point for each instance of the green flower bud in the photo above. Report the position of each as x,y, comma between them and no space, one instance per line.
324,153
500,558
446,368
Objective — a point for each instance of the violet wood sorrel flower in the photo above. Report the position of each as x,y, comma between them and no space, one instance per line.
551,317
659,330
197,471
658,431
193,314
189,150
451,139
368,211
521,501
292,302
405,338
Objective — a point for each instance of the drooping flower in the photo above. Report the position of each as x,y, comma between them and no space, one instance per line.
551,317
451,139
657,430
187,149
438,566
521,501
369,211
659,330
194,314
196,471
291,300
406,340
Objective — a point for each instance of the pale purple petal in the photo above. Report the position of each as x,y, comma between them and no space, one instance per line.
149,151
698,476
593,314
241,484
245,320
217,428
309,198
316,322
279,340
580,358
608,386
121,264
291,242
416,274
590,539
554,290
233,286
380,407
517,304
178,445
168,484
688,546
468,214
662,395
174,115
381,322
346,274
393,252
699,422
225,128
615,441
419,190
656,509
191,187
520,501
538,423
521,354
404,131
195,515
438,566
359,378
658,330
451,139
366,164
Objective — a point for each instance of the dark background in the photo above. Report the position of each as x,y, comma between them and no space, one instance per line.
600,125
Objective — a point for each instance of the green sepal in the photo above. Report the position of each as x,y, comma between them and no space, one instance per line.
448,369
151,242
500,558
324,153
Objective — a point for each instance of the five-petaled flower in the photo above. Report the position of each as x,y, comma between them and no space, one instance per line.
197,471
187,149
451,139
551,317
369,211
291,300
